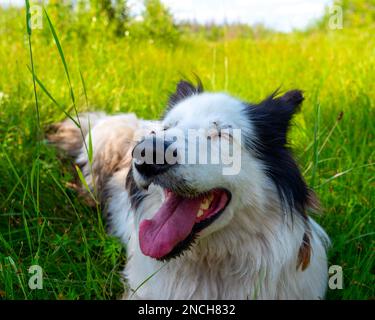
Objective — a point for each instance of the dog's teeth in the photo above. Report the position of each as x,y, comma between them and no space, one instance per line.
200,213
206,203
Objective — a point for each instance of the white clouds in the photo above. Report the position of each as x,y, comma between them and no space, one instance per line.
12,2
282,15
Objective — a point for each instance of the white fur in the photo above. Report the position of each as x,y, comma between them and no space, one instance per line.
249,252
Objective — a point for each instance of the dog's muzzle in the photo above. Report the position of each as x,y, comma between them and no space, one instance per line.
153,156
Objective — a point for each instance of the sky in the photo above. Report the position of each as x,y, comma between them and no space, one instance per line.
282,15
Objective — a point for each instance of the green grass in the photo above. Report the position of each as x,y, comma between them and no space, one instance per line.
43,221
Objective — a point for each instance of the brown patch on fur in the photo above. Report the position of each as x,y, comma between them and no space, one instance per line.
112,157
304,254
313,202
66,136
305,250
112,145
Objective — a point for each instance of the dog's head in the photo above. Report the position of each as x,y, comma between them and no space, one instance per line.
213,156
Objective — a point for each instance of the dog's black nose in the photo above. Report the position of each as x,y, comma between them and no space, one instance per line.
151,157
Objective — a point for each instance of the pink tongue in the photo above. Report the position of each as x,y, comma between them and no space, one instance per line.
171,224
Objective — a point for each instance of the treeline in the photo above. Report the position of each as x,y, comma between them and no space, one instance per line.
113,18
83,18
355,14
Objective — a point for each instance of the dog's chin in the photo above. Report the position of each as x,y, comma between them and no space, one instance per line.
181,217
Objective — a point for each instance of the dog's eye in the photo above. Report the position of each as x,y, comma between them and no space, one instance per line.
226,132
168,126
212,133
223,131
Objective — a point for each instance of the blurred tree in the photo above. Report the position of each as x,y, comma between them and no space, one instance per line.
61,13
358,13
355,14
111,15
106,7
158,21
122,17
112,12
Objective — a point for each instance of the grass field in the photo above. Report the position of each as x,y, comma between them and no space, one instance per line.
44,222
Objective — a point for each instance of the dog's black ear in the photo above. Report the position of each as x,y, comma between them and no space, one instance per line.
185,89
291,101
270,120
272,116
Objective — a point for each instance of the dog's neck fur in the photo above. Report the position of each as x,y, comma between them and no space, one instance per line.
220,265
254,256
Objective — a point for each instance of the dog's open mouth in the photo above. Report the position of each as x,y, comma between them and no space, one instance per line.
175,225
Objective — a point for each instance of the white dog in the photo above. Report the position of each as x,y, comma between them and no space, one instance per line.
192,232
